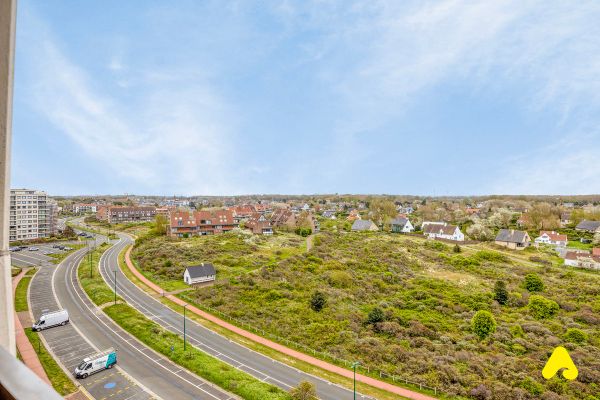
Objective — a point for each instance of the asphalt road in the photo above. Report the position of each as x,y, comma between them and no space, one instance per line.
258,365
157,376
70,345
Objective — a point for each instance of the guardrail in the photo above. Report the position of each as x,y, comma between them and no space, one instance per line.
320,354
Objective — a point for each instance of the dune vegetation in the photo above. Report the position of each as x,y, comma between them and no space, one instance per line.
404,305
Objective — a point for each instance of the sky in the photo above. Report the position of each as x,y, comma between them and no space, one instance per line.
301,97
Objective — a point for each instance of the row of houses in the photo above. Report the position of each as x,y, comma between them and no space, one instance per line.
210,222
432,230
520,240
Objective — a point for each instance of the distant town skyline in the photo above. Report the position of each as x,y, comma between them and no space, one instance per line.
213,98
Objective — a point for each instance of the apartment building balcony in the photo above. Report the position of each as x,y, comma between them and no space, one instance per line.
17,382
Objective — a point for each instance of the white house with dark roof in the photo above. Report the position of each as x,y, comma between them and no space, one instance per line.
401,225
443,231
198,274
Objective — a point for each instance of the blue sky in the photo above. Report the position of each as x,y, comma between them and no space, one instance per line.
214,97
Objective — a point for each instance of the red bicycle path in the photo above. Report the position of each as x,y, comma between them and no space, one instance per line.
276,346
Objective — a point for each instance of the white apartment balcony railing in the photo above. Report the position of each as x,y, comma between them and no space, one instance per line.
17,382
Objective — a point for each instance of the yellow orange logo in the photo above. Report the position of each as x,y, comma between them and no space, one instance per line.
560,359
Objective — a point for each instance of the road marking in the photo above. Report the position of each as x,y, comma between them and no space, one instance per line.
72,271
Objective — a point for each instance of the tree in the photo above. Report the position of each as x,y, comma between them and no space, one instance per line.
596,240
483,324
376,315
304,391
543,216
456,248
533,283
68,231
501,218
541,307
160,224
500,292
479,231
317,301
382,210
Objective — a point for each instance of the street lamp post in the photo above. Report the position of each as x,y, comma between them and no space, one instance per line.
115,286
184,338
354,365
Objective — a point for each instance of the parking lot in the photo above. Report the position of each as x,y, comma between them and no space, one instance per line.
26,258
70,347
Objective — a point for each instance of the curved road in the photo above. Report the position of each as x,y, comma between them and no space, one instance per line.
90,330
256,364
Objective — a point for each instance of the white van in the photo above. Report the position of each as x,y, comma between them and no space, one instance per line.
97,362
50,319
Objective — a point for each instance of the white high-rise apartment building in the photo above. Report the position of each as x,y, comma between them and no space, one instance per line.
32,215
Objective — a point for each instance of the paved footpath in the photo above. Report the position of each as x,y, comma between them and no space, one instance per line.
276,346
26,350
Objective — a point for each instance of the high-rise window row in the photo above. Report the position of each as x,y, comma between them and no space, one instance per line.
33,215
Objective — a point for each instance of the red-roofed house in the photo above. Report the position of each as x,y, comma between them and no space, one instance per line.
583,259
353,216
198,223
552,238
283,217
242,212
259,225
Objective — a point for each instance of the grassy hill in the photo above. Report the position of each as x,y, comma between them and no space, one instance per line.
427,294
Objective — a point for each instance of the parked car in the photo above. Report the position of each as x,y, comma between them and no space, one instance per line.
15,248
33,249
66,248
56,246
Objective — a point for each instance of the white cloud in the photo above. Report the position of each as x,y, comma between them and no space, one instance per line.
171,139
382,56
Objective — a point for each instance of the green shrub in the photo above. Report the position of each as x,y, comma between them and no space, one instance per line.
575,335
304,391
542,308
533,387
376,315
483,324
533,283
518,349
340,279
435,245
456,248
500,292
304,232
493,256
517,331
317,301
